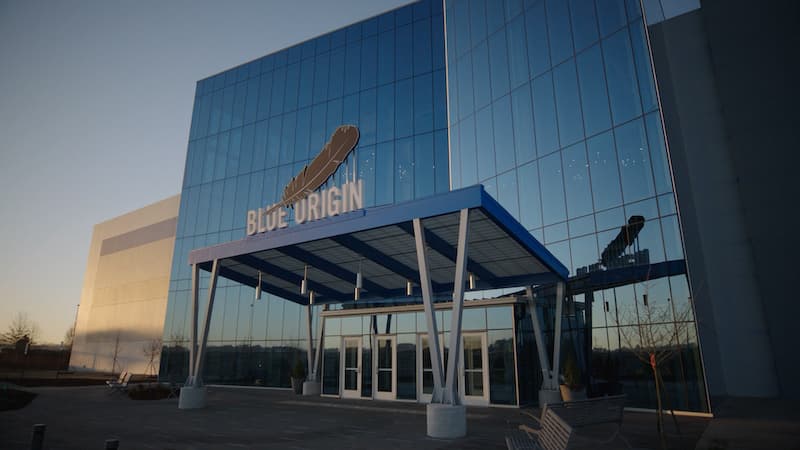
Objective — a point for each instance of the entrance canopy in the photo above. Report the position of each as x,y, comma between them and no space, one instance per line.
379,243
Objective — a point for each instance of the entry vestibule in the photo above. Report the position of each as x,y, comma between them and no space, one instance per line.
401,368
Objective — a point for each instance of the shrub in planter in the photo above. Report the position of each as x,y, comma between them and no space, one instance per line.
298,376
572,388
148,391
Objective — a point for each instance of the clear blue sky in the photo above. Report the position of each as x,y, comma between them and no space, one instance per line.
95,105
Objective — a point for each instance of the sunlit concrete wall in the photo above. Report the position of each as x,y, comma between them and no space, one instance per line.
124,295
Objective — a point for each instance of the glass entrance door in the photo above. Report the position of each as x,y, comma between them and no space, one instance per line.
351,367
385,368
474,370
425,371
425,374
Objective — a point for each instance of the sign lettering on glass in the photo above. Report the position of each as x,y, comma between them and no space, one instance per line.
300,194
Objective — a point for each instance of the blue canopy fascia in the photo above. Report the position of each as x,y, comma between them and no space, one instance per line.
343,231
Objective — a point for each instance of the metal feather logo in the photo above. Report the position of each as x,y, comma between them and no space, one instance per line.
318,171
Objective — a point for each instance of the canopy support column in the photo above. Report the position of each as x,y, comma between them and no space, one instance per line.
451,386
309,343
201,353
318,351
427,300
445,417
193,395
193,331
544,362
312,385
549,392
557,334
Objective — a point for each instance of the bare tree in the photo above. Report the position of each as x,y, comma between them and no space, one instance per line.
116,354
654,339
152,350
69,336
18,328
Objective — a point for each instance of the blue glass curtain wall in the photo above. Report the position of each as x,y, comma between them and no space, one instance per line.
255,126
553,108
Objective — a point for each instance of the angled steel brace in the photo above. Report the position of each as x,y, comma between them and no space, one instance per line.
427,300
212,288
451,386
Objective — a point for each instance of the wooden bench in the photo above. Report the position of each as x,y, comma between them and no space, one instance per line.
120,385
581,414
553,434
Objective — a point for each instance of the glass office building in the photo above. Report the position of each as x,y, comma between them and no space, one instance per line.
550,105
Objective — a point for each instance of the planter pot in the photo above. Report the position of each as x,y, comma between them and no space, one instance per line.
297,385
569,395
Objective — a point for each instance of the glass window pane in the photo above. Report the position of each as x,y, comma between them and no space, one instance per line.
517,52
584,23
461,82
604,171
576,181
621,75
422,46
672,238
559,28
369,62
469,170
545,114
385,125
321,75
485,143
336,77
404,170
480,73
404,114
495,16
352,67
403,52
367,117
423,166
522,115
611,15
503,135
330,364
499,317
477,20
423,104
658,154
538,47
406,366
584,252
384,173
386,57
507,192
502,383
555,233
594,97
641,54
568,105
634,161
498,64
530,203
553,207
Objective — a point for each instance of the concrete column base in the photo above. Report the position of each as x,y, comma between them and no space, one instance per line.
446,421
551,396
311,388
192,398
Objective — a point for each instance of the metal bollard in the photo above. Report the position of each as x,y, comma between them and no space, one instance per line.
112,444
38,436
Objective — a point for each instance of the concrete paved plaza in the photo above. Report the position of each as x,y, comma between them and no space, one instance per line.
84,417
